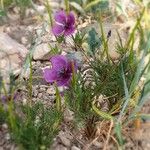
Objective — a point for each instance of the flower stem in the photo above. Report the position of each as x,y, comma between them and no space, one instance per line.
67,6
58,98
2,4
104,40
73,74
30,82
48,7
11,116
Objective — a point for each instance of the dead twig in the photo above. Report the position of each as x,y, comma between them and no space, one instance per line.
108,135
115,141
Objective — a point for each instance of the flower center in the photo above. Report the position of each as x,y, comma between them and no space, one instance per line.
62,72
67,26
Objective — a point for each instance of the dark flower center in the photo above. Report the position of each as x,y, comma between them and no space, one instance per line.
67,25
62,73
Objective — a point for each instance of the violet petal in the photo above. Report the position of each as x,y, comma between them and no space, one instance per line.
69,30
58,29
59,62
50,75
64,82
60,17
71,19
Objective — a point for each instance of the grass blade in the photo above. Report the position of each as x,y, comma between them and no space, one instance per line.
77,7
93,3
101,113
127,96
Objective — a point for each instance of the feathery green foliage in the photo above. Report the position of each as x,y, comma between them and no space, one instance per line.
79,99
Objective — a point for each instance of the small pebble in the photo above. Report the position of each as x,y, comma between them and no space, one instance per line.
40,95
36,86
7,136
5,126
68,115
44,86
41,89
24,101
34,99
75,148
60,147
24,40
98,144
51,91
38,63
65,141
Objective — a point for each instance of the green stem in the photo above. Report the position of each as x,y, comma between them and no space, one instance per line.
4,88
58,98
67,6
11,115
49,10
2,4
30,82
73,74
104,40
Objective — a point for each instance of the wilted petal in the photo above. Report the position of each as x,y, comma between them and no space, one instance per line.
71,19
58,30
50,75
69,30
60,17
59,62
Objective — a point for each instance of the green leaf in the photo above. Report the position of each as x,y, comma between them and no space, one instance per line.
77,7
117,130
93,3
127,96
140,68
140,71
145,116
100,7
94,41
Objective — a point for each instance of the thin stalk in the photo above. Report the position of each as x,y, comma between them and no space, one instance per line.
108,135
11,116
2,4
10,110
102,114
104,39
49,10
4,88
134,29
67,6
30,82
58,98
127,96
73,74
88,60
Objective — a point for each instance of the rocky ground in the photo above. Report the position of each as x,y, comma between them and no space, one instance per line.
33,34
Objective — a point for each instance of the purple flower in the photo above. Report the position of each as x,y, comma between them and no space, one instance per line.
64,24
61,71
